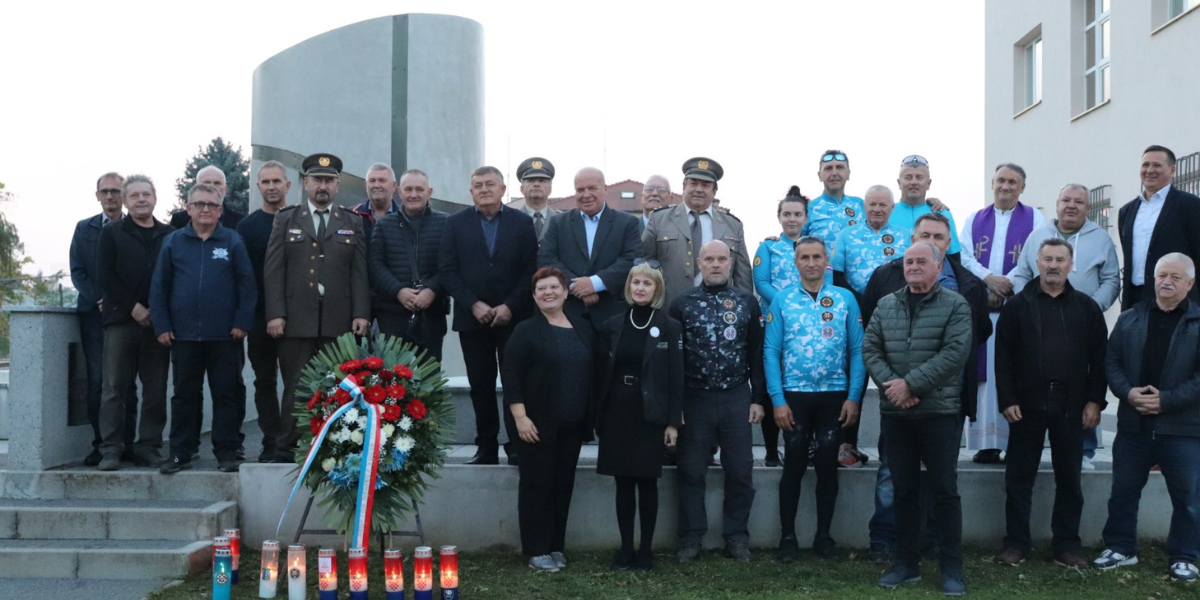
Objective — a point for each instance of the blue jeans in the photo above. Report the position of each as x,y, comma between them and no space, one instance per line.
1091,441
1133,455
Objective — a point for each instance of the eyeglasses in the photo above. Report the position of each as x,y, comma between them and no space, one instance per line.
205,206
654,188
829,157
654,264
109,192
914,159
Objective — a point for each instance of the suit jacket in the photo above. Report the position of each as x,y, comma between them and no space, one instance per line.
550,212
469,274
83,262
530,379
294,267
668,238
1177,230
616,244
661,379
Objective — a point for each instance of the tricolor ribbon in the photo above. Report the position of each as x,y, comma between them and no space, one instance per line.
368,472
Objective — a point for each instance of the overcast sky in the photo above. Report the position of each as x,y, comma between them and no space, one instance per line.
634,88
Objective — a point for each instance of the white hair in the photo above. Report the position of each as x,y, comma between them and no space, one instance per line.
1180,258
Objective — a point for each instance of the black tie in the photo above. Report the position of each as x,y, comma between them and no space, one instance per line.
322,215
697,240
538,224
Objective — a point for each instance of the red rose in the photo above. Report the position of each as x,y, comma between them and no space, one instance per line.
373,363
317,423
392,413
351,366
402,372
312,402
375,394
396,391
342,396
386,376
416,409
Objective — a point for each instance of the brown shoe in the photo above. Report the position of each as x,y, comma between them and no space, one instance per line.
1070,559
1012,557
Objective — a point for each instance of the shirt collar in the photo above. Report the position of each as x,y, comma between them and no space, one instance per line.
313,207
595,219
1160,195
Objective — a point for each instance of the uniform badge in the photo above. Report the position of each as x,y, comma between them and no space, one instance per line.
769,317
702,164
757,260
345,232
730,318
728,303
323,161
889,251
731,333
826,301
537,164
887,238
295,231
654,332
827,332
849,212
826,316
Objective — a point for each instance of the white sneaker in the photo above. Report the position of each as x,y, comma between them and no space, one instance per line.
560,560
1111,559
1184,571
543,563
1087,464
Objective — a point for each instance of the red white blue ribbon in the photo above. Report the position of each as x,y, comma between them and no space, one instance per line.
368,469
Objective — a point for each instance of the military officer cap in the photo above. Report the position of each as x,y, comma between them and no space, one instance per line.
536,167
322,164
704,169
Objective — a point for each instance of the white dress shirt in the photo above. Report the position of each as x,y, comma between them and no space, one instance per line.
999,245
1143,229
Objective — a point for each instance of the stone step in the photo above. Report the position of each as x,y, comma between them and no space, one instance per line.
103,559
140,485
115,519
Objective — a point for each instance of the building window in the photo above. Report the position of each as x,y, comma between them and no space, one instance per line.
1162,12
1187,173
1027,71
1097,44
1099,203
1178,7
1033,72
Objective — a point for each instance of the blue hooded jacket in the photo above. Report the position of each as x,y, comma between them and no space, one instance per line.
202,289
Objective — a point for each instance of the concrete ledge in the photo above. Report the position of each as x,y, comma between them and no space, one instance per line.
89,559
57,519
129,485
475,507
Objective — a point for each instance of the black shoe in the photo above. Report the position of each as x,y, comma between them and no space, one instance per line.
240,454
879,554
268,455
622,560
147,456
93,459
788,551
174,465
127,455
285,456
227,462
738,551
772,460
987,457
644,561
485,456
824,548
688,551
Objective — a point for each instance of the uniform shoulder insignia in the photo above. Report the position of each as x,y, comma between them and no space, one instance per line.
733,216
661,209
287,208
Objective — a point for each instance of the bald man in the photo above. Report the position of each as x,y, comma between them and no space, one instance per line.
214,176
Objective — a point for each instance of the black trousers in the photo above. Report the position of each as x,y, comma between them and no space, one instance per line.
483,353
263,351
816,416
1025,438
132,351
426,331
91,337
220,362
547,471
932,441
294,354
715,417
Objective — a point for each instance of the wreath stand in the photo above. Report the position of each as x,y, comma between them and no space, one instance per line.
385,539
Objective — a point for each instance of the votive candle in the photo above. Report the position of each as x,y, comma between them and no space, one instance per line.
327,574
297,573
393,575
268,581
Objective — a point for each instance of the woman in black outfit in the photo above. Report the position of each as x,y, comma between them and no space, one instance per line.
548,382
640,405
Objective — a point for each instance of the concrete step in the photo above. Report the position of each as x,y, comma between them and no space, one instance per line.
140,485
103,559
115,519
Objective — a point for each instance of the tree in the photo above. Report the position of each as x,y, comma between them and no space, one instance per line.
230,160
11,260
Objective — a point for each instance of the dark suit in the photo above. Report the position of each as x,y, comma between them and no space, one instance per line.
470,274
661,380
296,263
617,242
1177,230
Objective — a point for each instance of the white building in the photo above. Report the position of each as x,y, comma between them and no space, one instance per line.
1076,89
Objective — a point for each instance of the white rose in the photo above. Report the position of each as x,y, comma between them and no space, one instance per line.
405,424
388,430
405,443
328,464
357,437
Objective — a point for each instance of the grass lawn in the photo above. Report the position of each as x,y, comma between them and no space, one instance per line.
503,574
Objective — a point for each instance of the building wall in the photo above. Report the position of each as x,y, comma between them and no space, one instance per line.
1155,84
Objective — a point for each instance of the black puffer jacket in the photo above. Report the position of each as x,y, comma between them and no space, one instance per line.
405,256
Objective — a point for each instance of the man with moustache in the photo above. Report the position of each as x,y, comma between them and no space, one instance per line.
655,195
487,258
403,264
315,282
674,235
214,176
126,253
263,350
536,175
1050,342
1161,220
381,187
88,306
594,247
833,210
1151,368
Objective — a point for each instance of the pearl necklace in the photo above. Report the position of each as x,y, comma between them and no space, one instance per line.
635,325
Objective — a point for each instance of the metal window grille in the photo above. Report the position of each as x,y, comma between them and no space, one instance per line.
1099,204
1187,173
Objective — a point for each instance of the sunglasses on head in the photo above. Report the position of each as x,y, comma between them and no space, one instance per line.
837,156
914,159
654,264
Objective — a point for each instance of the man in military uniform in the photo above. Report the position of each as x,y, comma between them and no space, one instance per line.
674,235
536,176
316,281
815,376
723,341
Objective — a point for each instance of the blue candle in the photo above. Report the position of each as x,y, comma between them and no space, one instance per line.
222,574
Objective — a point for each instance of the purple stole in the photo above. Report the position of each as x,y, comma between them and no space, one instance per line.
983,231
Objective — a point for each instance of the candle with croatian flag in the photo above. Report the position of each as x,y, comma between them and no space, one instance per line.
357,569
327,574
448,569
268,581
222,567
235,548
423,573
297,572
393,575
